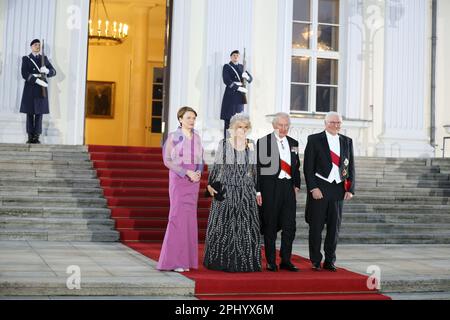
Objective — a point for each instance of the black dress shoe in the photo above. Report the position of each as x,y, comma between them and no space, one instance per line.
330,267
36,139
289,266
271,267
30,138
316,266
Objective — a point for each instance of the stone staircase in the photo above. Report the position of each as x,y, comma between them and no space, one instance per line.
398,201
51,193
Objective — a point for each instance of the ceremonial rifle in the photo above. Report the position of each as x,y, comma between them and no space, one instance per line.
43,75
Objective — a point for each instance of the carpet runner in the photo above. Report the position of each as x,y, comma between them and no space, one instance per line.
135,184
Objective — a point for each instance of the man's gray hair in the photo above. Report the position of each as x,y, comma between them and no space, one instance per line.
240,117
280,115
332,114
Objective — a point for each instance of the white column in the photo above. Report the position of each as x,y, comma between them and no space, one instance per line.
406,80
284,55
204,34
25,20
71,42
228,27
63,25
179,64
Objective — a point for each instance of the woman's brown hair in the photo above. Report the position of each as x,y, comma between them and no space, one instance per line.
183,110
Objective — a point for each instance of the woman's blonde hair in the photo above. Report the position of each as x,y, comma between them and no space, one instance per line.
240,117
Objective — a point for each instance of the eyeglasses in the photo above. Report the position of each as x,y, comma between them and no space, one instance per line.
336,123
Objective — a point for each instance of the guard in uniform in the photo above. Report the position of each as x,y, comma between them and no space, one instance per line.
35,94
234,98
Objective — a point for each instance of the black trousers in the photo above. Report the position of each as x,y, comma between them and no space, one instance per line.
279,212
325,211
34,123
226,126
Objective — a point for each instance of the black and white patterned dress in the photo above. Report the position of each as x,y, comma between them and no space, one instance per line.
233,233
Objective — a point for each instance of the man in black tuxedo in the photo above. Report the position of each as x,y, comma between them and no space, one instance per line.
278,182
330,179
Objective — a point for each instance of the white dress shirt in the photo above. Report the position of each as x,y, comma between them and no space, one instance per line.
335,146
285,155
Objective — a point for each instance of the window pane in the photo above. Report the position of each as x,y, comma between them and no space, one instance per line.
156,125
326,99
327,71
158,75
329,11
302,10
299,97
300,35
157,108
300,69
328,39
157,91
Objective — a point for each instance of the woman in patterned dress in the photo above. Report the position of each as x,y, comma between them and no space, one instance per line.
233,232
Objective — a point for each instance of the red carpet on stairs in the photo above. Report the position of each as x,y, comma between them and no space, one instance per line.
135,184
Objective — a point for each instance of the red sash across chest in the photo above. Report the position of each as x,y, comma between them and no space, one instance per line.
335,158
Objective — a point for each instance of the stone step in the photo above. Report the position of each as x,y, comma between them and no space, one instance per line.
406,200
403,184
52,202
427,294
75,174
38,155
21,223
382,238
403,191
51,191
44,165
389,208
368,198
54,182
399,177
61,235
433,284
44,212
387,228
157,285
404,218
41,147
394,169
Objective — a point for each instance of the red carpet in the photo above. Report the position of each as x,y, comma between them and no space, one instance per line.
135,184
283,285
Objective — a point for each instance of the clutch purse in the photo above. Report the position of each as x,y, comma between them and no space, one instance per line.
220,195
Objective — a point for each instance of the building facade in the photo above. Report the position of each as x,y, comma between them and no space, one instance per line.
371,60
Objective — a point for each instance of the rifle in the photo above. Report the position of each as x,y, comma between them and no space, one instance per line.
43,75
244,81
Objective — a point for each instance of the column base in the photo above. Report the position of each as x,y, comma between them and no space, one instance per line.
404,148
13,130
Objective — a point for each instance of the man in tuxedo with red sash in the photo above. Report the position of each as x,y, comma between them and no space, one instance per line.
278,182
330,179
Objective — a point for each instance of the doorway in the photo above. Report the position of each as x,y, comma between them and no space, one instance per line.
127,77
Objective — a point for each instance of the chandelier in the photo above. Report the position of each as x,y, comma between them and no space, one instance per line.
105,32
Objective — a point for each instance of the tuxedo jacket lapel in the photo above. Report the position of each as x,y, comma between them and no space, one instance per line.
274,153
344,151
325,146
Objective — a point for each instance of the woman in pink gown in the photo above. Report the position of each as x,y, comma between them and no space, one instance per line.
183,155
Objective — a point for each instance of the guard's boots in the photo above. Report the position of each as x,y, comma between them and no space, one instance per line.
30,138
36,139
